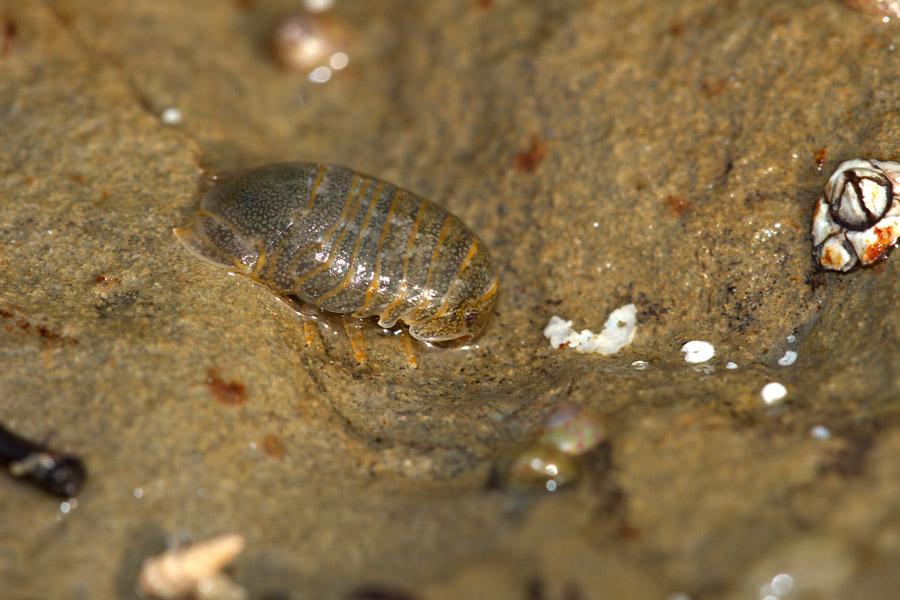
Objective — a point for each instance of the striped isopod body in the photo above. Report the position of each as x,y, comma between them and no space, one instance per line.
350,244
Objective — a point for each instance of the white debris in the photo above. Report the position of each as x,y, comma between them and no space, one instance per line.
698,352
788,359
171,116
731,366
194,571
780,587
640,365
339,60
316,6
820,432
618,331
773,392
319,75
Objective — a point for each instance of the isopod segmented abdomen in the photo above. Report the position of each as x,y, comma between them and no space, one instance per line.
351,244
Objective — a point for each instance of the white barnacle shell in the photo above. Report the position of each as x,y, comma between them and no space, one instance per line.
858,219
192,571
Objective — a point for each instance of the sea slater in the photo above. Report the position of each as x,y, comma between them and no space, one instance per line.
351,244
857,222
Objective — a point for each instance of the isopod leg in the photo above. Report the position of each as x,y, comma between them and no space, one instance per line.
309,329
408,347
354,333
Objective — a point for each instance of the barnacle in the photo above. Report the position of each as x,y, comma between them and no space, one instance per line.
857,222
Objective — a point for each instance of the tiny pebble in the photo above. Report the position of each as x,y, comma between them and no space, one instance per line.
318,5
782,584
731,365
788,359
339,60
698,352
773,392
820,432
319,75
171,116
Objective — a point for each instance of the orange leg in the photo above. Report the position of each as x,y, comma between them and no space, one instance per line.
309,328
354,332
409,348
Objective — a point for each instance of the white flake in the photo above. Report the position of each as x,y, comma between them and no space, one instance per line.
698,351
788,359
618,331
773,392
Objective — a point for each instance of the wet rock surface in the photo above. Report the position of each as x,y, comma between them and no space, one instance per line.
665,154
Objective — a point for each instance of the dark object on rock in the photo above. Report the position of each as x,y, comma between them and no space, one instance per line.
58,473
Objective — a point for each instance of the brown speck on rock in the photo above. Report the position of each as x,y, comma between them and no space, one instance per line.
232,392
712,87
10,36
272,446
676,206
819,157
529,160
77,178
19,324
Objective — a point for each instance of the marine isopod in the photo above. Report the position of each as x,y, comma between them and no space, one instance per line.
350,244
857,222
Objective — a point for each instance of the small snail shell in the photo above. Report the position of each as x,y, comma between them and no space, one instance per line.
300,41
536,468
572,429
858,220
